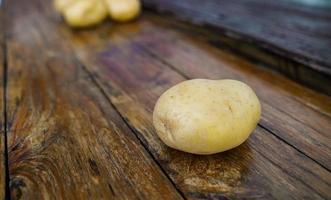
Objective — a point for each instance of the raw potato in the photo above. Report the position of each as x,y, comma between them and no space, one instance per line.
206,116
123,10
82,13
62,5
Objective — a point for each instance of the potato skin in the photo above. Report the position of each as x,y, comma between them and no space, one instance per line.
124,10
84,13
203,116
62,5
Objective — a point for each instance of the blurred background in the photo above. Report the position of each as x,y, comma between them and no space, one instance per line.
297,30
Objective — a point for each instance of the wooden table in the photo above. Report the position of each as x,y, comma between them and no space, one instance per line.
77,108
291,36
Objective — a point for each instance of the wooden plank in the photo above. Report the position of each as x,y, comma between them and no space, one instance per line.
284,112
66,141
310,98
300,31
259,55
263,167
2,127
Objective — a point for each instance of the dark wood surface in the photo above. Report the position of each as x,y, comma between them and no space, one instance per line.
80,102
113,66
301,29
161,45
65,140
297,30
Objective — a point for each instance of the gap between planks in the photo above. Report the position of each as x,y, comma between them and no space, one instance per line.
5,78
4,99
151,159
133,130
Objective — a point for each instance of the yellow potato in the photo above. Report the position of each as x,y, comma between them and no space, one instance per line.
62,5
123,10
206,116
84,13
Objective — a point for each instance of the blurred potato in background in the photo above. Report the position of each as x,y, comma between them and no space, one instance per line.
84,13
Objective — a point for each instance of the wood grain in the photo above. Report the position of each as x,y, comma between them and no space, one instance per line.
284,113
311,98
300,31
73,93
2,129
264,167
66,141
299,72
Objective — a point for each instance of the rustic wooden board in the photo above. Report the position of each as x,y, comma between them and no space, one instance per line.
66,141
288,27
290,37
264,167
2,127
80,105
299,72
310,98
298,124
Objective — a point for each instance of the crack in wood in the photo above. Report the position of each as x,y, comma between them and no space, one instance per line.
4,99
136,132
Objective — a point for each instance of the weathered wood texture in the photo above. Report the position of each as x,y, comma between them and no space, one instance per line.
283,112
124,61
299,72
2,130
65,140
73,93
300,32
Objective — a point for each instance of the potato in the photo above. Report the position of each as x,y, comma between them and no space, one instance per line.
206,116
62,5
123,10
84,13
